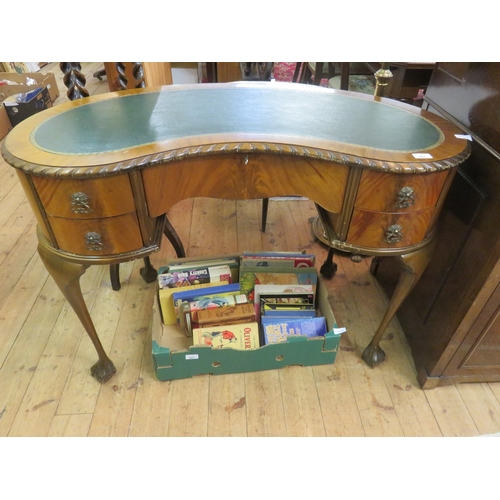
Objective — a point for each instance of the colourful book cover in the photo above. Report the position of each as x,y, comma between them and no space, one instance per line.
229,315
251,276
277,259
241,336
232,262
166,300
289,313
279,289
199,264
188,277
192,294
188,311
276,330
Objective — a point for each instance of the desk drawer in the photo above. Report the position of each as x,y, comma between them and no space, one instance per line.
86,199
385,192
107,236
388,230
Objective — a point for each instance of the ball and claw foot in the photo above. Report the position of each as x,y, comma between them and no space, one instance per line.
373,356
103,370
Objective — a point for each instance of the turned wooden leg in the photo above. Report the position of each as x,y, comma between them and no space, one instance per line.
148,272
67,277
74,80
375,265
114,274
412,266
173,237
329,268
265,206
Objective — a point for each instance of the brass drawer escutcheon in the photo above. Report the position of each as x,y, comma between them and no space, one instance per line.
80,203
406,197
394,234
94,242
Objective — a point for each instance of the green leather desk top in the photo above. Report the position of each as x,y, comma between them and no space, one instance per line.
121,130
139,119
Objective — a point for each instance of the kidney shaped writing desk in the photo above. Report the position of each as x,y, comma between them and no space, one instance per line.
102,172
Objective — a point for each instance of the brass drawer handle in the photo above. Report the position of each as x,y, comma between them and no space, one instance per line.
406,197
394,234
94,242
80,203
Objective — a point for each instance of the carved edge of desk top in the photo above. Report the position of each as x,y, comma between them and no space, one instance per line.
116,168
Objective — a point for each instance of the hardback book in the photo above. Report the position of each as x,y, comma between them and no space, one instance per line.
188,311
278,259
190,294
165,296
280,290
287,312
210,274
232,262
240,336
251,276
229,315
276,330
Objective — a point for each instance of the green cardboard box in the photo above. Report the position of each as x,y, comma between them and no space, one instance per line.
175,358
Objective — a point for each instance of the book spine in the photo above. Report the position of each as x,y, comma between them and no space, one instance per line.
272,262
239,313
165,295
188,311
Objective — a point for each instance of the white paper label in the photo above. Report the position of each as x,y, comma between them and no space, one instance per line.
463,136
338,331
422,156
191,356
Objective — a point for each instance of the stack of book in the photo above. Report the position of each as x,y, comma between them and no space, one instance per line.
242,303
191,276
282,287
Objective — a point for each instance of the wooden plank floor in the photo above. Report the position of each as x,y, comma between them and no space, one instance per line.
45,356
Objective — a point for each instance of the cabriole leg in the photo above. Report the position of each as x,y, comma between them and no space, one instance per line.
412,266
173,237
67,277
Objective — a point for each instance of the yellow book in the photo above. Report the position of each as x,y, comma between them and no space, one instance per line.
167,302
240,336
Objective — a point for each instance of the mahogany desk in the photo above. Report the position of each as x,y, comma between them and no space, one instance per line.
102,172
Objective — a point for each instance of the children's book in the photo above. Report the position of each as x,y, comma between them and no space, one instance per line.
277,290
276,330
232,262
188,311
210,274
165,296
191,293
290,313
229,315
240,336
251,276
277,259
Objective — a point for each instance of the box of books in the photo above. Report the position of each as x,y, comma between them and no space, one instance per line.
232,338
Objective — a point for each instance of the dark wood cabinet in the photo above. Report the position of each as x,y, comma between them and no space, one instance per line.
451,318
